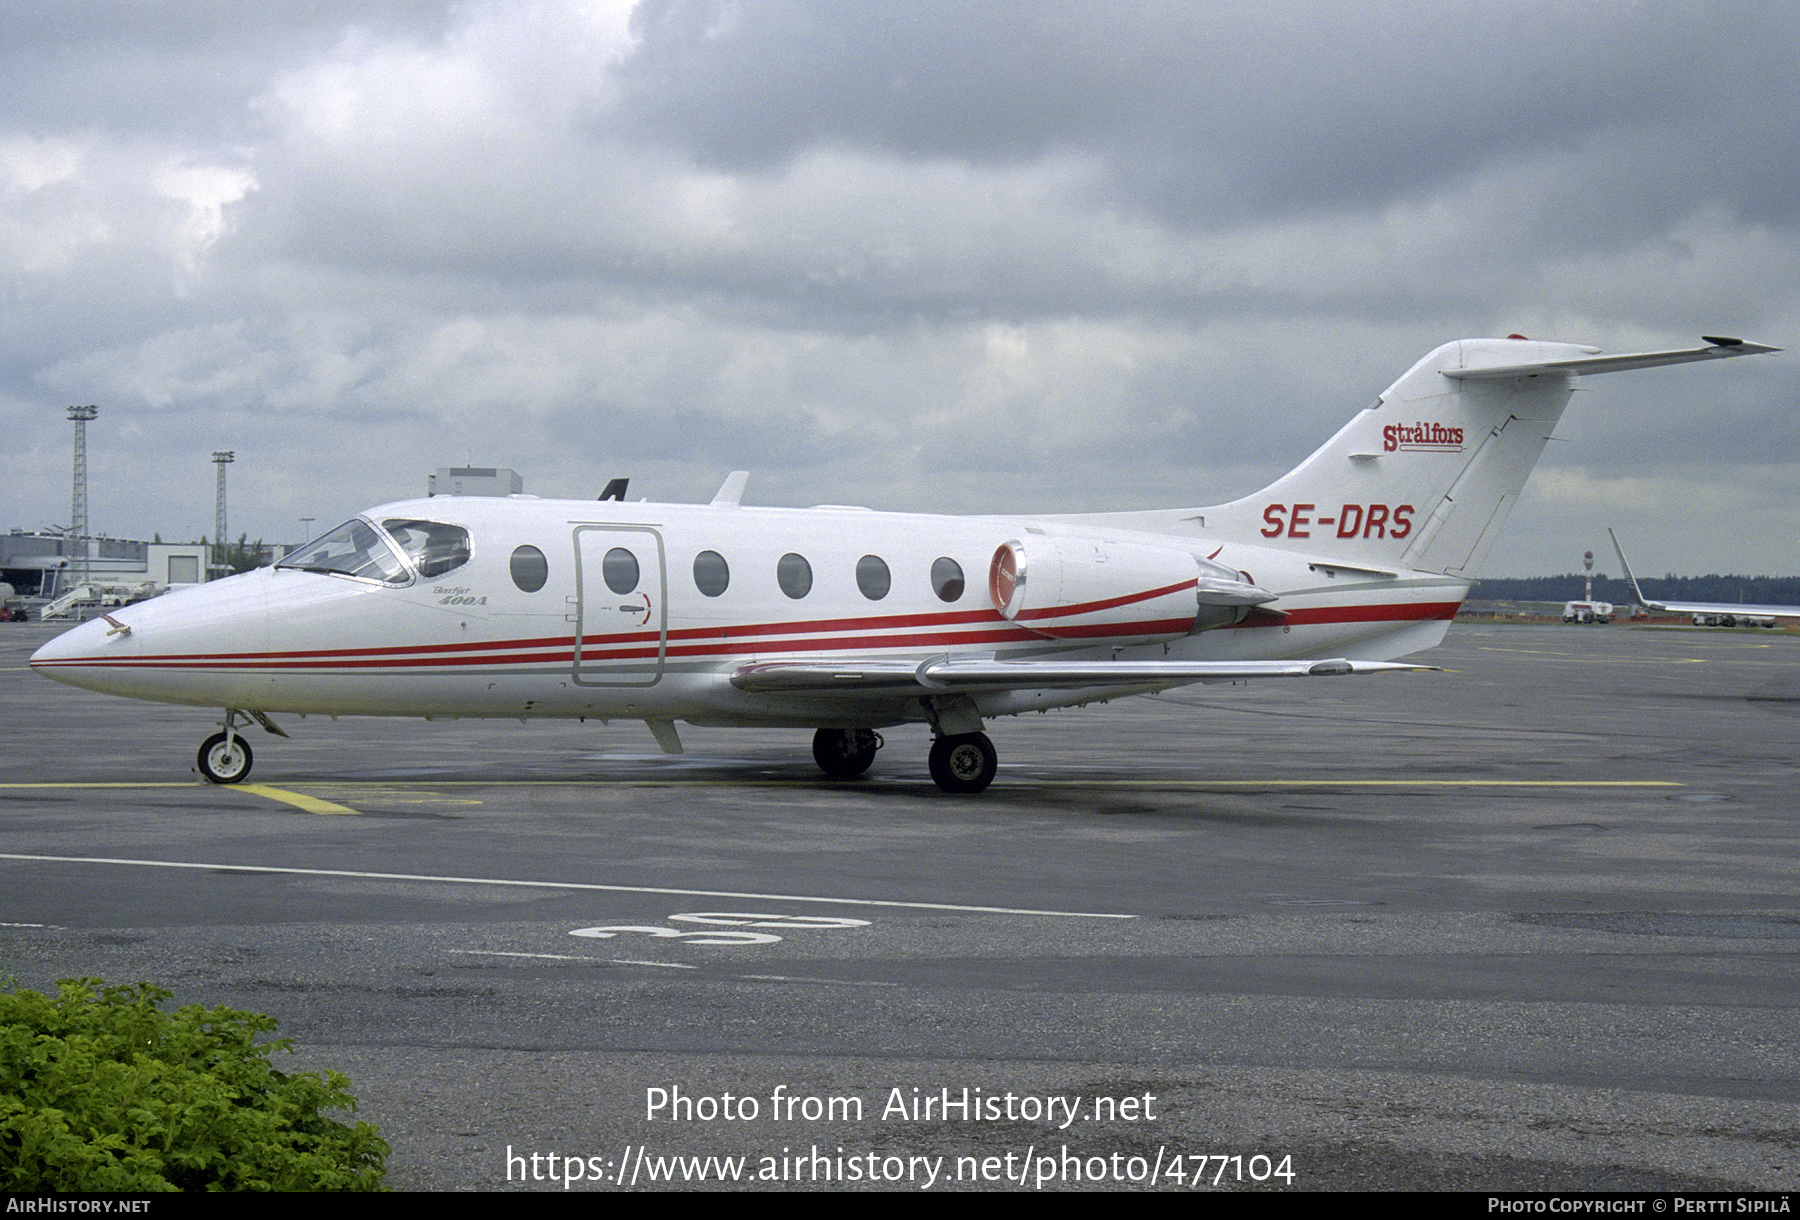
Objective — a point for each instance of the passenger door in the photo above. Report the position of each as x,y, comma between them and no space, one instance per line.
621,616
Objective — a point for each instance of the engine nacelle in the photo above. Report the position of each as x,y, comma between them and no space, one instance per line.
1114,592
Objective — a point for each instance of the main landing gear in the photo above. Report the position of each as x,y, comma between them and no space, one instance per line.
962,763
845,753
963,760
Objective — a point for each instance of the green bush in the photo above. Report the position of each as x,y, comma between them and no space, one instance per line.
104,1091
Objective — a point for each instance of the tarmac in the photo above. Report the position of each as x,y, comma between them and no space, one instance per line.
1530,923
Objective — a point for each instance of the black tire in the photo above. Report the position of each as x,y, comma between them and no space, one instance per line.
845,753
964,764
222,762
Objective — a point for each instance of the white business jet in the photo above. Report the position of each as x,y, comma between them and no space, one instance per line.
848,621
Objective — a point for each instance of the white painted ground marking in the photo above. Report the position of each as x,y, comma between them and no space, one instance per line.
709,936
794,978
576,957
696,937
562,885
732,919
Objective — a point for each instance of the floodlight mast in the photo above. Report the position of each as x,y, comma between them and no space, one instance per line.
78,514
221,539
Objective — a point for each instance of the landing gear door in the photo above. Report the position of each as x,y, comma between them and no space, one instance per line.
621,616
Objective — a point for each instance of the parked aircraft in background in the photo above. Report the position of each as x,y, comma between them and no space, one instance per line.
847,621
1725,614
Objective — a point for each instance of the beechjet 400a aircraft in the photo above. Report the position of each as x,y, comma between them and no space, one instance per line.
848,621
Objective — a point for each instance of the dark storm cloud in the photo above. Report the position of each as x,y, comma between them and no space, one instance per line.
1209,111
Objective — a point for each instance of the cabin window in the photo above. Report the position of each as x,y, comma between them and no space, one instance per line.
619,569
794,575
433,547
872,577
354,548
529,568
711,573
947,579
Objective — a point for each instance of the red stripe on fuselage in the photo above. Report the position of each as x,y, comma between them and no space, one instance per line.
1108,603
881,622
717,642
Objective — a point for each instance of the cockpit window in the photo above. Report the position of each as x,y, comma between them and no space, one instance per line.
358,549
433,547
354,548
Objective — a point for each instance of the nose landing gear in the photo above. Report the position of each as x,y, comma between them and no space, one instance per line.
224,758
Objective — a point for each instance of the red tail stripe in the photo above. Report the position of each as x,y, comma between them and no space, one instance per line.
1397,613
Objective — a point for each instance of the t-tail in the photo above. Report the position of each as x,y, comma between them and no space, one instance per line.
1425,478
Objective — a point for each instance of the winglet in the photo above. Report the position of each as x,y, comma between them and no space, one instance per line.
731,491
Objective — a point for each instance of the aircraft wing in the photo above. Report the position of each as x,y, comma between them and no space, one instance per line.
1738,609
945,674
1732,608
1718,349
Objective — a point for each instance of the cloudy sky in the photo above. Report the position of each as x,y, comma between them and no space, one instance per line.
969,256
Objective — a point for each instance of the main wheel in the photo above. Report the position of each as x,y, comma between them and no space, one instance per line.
225,760
964,763
845,753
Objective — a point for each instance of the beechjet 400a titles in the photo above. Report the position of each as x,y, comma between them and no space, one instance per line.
847,621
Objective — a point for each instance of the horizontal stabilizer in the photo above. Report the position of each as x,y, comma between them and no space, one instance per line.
943,674
1721,349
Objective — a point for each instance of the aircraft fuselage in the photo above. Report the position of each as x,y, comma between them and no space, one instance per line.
643,639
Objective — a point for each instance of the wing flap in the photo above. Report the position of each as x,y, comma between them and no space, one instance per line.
800,677
944,674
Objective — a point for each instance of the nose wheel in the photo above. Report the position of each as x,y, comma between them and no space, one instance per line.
964,763
224,758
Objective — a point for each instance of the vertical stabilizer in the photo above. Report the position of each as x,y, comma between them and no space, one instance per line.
1426,476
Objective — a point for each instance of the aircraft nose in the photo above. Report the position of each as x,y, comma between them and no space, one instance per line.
176,648
75,645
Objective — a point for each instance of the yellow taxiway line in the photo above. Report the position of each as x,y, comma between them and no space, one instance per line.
299,800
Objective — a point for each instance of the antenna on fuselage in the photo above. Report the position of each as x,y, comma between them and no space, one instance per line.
615,489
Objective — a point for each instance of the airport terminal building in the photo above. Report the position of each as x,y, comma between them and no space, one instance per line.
41,566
